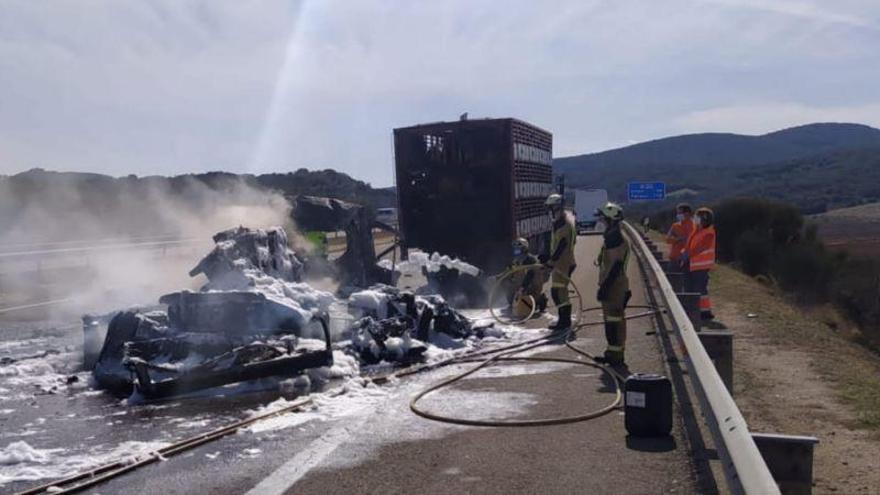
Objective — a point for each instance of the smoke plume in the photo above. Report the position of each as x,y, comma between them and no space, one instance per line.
109,242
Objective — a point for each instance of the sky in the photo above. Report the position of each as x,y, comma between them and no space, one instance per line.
152,87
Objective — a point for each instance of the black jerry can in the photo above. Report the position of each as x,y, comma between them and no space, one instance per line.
648,405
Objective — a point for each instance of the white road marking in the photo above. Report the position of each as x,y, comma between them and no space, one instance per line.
296,468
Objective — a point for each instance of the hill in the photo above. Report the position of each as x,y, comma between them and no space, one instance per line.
811,165
855,230
40,205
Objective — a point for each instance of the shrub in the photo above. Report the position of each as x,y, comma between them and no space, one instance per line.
856,289
753,252
779,222
806,269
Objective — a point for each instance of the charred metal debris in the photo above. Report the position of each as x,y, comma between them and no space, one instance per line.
254,318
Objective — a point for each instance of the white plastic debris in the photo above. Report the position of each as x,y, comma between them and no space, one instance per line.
432,263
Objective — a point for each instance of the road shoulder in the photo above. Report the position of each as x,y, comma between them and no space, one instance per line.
794,374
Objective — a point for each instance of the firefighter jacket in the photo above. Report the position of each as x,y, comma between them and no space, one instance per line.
531,280
612,262
562,243
701,249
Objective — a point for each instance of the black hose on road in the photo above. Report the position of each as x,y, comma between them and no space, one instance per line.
510,355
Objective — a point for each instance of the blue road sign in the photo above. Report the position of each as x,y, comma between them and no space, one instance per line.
646,191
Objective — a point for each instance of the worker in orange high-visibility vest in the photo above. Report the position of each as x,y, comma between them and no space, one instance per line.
680,232
699,257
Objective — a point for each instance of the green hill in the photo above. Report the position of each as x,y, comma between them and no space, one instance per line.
812,166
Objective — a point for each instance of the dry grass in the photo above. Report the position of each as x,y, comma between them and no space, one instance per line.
853,370
870,211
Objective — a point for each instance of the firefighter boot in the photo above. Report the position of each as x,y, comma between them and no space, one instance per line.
614,352
564,320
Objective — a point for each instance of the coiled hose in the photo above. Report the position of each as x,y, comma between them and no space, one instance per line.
509,354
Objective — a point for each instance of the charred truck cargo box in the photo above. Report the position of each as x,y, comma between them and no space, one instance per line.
468,188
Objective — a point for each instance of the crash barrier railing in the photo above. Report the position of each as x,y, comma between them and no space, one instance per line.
744,467
80,250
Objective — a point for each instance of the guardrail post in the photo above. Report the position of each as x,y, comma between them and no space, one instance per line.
690,301
790,459
664,265
719,347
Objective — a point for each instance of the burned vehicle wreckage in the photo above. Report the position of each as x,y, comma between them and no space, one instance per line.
245,323
256,319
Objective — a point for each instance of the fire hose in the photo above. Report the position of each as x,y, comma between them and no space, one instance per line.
510,355
111,470
493,292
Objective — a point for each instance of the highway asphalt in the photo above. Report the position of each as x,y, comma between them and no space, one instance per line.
368,441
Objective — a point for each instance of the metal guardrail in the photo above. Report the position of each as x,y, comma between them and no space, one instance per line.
744,467
103,247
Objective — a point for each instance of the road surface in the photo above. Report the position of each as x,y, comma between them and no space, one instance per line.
368,441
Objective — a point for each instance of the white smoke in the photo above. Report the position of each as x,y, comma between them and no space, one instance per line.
61,224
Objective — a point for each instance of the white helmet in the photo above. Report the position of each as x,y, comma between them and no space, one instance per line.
611,211
553,201
521,243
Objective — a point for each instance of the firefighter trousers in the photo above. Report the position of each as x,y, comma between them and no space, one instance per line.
559,286
614,314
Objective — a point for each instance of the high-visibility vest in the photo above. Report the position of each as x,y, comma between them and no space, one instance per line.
701,249
682,229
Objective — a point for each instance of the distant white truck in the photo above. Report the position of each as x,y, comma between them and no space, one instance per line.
388,216
585,203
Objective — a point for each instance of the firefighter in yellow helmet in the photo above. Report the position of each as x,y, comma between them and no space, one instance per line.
528,284
613,293
561,258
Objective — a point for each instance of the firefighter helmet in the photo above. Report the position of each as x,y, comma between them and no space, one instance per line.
553,201
707,216
521,243
611,211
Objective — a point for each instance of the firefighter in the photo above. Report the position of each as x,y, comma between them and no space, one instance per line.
561,258
529,282
680,232
613,293
699,256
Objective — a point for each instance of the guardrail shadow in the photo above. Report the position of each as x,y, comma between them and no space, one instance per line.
700,453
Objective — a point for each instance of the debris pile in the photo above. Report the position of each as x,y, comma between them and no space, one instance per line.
243,257
457,281
419,261
396,325
245,323
357,266
254,318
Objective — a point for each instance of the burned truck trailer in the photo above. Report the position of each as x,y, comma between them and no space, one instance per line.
468,188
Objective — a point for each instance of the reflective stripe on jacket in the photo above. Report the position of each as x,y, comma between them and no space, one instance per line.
701,249
678,236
